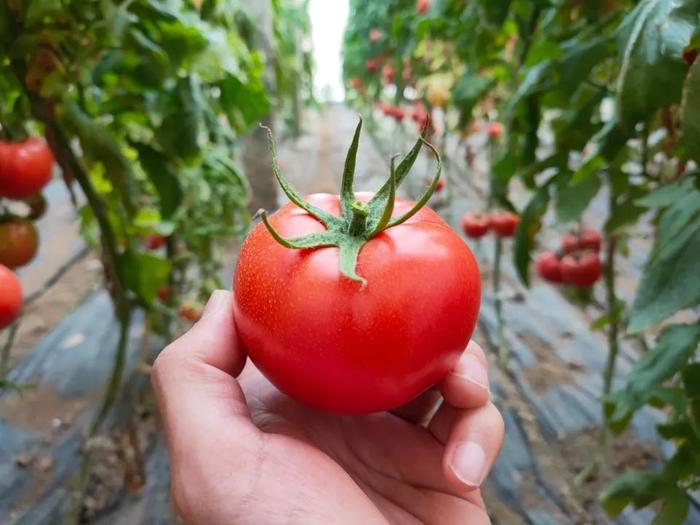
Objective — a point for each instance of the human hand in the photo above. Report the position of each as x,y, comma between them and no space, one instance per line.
244,453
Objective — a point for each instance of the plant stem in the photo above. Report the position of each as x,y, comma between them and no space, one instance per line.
5,355
498,302
360,211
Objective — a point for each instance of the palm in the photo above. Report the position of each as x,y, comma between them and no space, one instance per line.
380,465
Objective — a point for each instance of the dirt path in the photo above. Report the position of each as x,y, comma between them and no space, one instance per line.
547,395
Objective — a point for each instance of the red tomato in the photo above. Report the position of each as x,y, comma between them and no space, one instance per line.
357,84
504,223
372,64
10,296
548,267
326,340
19,241
375,35
422,6
163,293
388,74
689,56
25,167
190,311
495,130
581,269
589,239
475,224
441,184
154,241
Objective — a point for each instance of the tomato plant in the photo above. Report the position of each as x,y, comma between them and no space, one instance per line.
375,298
597,101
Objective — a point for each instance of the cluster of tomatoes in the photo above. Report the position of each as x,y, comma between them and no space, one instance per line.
25,168
417,112
501,222
577,262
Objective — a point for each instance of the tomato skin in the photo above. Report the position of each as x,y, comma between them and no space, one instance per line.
329,342
504,223
589,239
422,6
19,242
25,168
375,35
475,224
582,270
10,296
548,267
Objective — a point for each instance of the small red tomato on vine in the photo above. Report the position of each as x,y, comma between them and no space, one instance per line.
10,296
375,35
504,223
355,303
581,269
388,74
190,311
548,267
163,293
372,64
19,242
357,84
495,130
422,6
689,56
475,224
154,241
588,239
25,167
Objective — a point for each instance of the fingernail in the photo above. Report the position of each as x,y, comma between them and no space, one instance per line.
469,463
472,369
217,300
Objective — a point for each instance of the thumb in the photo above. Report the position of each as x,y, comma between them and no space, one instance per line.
194,382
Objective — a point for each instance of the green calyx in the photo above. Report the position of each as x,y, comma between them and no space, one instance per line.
359,221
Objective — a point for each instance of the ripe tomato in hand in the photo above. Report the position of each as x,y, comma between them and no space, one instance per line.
25,167
19,241
548,267
589,239
504,223
333,343
475,224
581,269
10,296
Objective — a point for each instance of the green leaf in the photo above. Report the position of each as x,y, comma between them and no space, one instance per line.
144,274
245,103
639,488
669,194
690,112
580,59
674,347
179,134
530,224
576,192
467,91
37,10
675,508
670,280
691,385
651,41
164,179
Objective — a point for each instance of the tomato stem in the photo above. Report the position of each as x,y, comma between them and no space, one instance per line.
359,211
